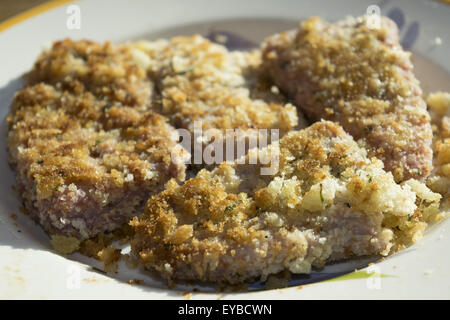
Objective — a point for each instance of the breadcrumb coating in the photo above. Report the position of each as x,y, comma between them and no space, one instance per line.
327,201
361,78
86,146
92,136
439,180
198,80
110,72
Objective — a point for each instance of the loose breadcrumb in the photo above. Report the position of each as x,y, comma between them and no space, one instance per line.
91,247
110,256
136,282
278,281
64,244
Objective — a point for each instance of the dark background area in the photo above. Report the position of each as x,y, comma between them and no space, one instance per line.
10,8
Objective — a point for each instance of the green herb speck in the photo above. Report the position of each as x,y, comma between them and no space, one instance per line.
230,208
321,195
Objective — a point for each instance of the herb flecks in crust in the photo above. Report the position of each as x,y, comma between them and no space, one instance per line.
361,78
233,224
439,180
86,146
197,80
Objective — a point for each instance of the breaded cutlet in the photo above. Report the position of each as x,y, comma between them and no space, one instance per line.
359,76
439,180
86,137
85,145
327,201
197,80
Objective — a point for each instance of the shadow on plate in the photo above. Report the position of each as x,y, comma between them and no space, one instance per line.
235,34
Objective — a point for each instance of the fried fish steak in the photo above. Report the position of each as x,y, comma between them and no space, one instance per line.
327,201
85,145
360,77
200,81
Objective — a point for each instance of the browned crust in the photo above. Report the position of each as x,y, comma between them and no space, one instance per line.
361,78
326,202
198,80
86,147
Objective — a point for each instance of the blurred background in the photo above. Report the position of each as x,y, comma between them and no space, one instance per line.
9,8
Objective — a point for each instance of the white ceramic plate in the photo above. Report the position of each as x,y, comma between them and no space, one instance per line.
28,266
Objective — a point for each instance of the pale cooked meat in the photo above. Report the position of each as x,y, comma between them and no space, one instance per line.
324,201
362,78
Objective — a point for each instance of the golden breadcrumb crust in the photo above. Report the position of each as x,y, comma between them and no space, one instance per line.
361,78
86,147
326,202
439,180
198,80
